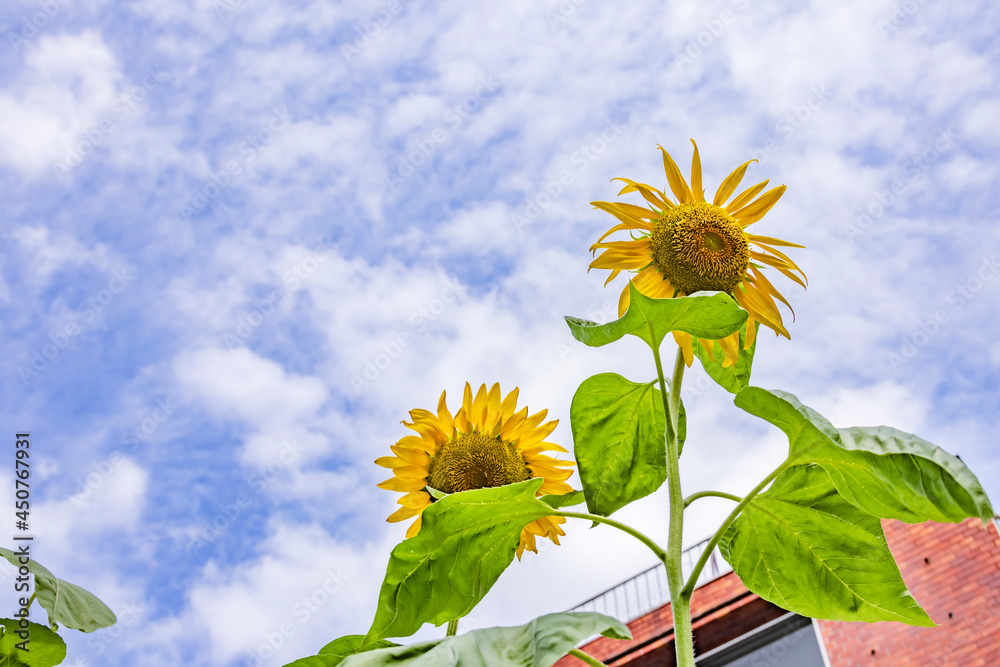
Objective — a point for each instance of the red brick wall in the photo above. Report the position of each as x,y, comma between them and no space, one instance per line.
656,624
959,586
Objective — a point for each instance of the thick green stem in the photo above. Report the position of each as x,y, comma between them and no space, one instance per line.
452,628
707,494
589,659
654,547
712,543
680,603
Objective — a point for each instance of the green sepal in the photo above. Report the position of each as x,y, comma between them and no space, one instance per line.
435,494
45,649
737,376
539,643
618,440
466,541
65,603
564,500
702,314
886,472
804,547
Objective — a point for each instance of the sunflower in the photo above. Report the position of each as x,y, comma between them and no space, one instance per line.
486,444
692,245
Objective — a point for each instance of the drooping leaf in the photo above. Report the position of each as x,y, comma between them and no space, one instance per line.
538,644
45,648
618,440
564,500
702,314
737,376
66,604
338,650
802,546
466,541
888,473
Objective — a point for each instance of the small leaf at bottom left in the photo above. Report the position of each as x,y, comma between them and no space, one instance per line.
46,648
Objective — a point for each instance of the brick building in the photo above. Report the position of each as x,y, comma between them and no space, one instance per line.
953,570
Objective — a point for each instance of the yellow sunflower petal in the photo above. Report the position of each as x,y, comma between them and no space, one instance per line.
416,457
761,307
417,443
696,188
461,421
623,301
491,416
770,240
404,485
509,404
445,421
745,196
628,212
411,472
554,488
751,333
467,401
390,462
729,185
677,183
428,430
755,211
761,280
413,529
402,514
648,192
417,500
513,425
708,346
683,341
544,447
731,347
478,413
537,435
653,284
532,422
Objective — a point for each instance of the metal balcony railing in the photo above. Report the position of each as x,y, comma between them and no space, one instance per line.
648,590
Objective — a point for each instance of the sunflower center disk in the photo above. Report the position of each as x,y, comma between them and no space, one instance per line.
700,247
476,461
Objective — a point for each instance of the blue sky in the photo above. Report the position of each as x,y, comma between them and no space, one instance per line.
240,239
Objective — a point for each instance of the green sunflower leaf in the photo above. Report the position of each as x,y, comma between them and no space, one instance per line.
540,643
338,650
66,604
887,473
734,378
466,541
618,428
805,548
45,648
709,315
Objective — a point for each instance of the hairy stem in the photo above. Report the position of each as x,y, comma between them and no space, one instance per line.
680,603
706,494
589,659
712,543
452,628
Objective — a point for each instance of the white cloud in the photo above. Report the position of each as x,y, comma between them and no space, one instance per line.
240,383
68,82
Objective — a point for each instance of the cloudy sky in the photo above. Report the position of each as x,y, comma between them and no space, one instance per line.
239,239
